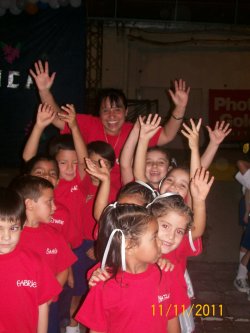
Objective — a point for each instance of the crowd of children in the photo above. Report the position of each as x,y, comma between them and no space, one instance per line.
106,220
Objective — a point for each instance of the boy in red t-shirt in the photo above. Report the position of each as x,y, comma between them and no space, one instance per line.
39,236
27,283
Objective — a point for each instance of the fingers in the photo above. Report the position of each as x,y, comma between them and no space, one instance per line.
98,275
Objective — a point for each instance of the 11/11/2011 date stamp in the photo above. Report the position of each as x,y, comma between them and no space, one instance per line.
196,310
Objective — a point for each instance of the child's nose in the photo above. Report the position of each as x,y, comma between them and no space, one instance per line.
53,206
70,166
6,235
171,235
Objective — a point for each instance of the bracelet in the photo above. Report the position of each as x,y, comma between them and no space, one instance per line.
176,118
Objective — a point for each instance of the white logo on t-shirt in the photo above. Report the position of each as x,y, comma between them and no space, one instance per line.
51,251
74,188
163,297
89,197
56,221
26,283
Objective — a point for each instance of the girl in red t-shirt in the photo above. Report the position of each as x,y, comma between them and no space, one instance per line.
138,293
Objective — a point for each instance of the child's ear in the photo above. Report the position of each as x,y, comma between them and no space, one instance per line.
29,204
129,245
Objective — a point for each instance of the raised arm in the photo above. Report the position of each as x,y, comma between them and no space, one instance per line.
45,117
44,82
200,186
43,315
147,131
102,173
127,155
221,130
69,116
192,134
180,99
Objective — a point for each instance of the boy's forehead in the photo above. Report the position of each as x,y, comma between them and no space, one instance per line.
44,165
66,154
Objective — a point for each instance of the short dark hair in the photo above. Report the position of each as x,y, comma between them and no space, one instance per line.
163,205
132,220
60,142
30,187
104,149
116,97
12,208
30,164
162,150
134,188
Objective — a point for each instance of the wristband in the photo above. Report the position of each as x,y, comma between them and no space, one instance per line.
176,118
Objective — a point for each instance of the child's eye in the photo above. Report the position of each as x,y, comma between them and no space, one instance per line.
15,228
180,232
53,174
165,226
117,109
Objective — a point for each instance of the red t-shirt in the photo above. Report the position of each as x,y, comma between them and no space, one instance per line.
61,220
50,245
92,129
68,194
89,194
26,283
184,251
132,303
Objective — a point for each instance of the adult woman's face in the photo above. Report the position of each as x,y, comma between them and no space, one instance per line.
112,116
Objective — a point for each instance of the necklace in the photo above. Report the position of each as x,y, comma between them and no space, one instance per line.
117,140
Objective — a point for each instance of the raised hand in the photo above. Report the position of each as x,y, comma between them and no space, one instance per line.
68,114
99,171
192,133
165,264
150,126
41,75
45,116
181,94
221,130
200,184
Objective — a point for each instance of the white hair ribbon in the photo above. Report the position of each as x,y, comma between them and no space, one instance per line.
160,196
154,192
104,259
114,204
191,240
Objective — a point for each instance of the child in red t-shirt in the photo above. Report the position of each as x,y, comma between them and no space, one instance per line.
39,236
138,297
27,283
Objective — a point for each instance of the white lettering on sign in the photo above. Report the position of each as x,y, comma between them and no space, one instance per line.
236,121
228,104
12,80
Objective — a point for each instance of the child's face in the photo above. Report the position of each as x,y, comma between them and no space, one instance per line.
67,163
44,207
47,170
176,182
172,228
149,249
9,236
112,116
157,166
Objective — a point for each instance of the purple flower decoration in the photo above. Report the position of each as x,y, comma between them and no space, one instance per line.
10,53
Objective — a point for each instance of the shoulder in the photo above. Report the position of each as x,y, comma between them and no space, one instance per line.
87,119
